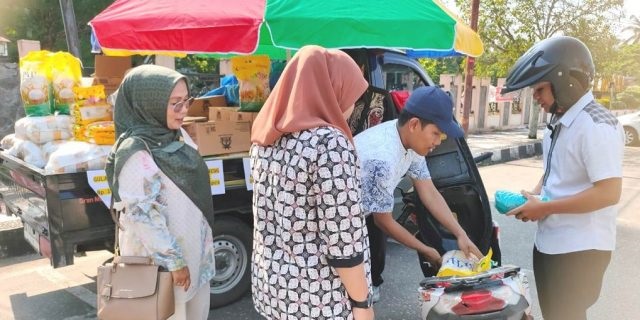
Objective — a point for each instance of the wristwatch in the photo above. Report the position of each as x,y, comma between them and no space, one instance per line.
366,304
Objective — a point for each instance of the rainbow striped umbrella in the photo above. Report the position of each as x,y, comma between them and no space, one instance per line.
273,26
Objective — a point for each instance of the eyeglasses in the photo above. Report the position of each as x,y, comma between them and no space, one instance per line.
184,103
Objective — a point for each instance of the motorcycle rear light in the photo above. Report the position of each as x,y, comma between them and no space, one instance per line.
478,301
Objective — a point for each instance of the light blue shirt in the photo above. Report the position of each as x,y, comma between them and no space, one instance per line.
384,162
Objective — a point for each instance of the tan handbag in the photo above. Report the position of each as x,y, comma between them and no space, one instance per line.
133,287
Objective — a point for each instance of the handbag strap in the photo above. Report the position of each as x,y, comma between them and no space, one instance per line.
115,216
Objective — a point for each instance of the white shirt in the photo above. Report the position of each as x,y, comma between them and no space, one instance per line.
589,148
384,161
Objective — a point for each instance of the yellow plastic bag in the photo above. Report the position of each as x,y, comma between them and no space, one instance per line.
35,83
90,107
103,133
253,76
456,263
66,72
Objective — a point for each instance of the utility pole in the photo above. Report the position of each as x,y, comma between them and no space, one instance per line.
468,77
70,27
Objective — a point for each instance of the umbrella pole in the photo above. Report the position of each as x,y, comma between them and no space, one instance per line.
288,54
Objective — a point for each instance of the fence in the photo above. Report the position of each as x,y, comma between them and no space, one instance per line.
489,110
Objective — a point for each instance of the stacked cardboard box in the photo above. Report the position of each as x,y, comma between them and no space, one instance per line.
200,106
109,71
226,131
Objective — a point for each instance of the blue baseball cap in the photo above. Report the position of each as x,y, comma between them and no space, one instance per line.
433,104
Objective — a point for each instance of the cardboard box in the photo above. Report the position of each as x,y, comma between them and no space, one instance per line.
200,106
220,137
230,114
111,67
26,46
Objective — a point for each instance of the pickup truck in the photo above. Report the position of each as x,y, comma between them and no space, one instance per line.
66,214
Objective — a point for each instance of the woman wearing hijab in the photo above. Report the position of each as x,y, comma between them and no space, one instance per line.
160,184
310,246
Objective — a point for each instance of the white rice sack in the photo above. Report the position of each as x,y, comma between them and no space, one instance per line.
51,147
44,129
27,151
77,156
8,141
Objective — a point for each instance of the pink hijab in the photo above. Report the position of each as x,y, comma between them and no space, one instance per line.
316,87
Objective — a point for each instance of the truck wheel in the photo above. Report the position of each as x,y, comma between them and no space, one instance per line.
232,240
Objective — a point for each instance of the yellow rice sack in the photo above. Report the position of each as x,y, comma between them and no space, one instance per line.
456,263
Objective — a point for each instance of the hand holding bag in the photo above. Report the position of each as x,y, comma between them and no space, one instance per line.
133,287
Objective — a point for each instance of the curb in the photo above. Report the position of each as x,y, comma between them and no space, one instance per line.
513,153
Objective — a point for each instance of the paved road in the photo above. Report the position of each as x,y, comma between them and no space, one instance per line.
31,289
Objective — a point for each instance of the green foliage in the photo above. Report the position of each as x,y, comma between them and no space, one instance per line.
509,27
42,20
604,101
436,67
197,64
630,96
634,28
618,105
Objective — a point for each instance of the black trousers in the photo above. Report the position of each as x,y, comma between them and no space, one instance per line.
378,248
568,284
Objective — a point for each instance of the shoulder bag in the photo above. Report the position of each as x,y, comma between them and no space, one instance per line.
133,287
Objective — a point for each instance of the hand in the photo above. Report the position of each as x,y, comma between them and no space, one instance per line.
181,278
469,248
532,210
432,256
362,314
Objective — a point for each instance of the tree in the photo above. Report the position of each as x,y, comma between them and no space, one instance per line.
509,27
634,28
436,67
42,20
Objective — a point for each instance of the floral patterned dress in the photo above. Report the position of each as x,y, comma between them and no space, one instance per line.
307,222
161,221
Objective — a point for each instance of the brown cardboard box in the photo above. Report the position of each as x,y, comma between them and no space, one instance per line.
26,46
200,106
230,113
220,137
111,67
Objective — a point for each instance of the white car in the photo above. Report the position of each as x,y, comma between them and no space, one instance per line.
631,124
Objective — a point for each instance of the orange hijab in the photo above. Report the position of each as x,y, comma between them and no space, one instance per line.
316,87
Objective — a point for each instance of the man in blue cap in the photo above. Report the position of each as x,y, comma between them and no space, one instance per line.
393,149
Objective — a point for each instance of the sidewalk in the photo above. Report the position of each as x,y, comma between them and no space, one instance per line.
505,145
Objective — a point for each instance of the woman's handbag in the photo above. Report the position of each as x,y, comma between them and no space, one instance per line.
133,287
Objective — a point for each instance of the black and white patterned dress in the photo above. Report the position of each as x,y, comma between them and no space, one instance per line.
307,221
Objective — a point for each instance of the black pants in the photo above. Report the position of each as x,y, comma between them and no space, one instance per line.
378,245
568,284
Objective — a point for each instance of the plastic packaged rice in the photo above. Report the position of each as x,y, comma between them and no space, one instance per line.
91,106
8,141
44,129
253,75
51,147
35,83
456,263
77,156
27,151
102,132
66,72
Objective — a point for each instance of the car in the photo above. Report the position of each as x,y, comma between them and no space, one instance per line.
631,124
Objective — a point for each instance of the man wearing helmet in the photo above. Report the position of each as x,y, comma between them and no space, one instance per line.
583,148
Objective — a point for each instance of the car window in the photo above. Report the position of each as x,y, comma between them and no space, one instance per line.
400,77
